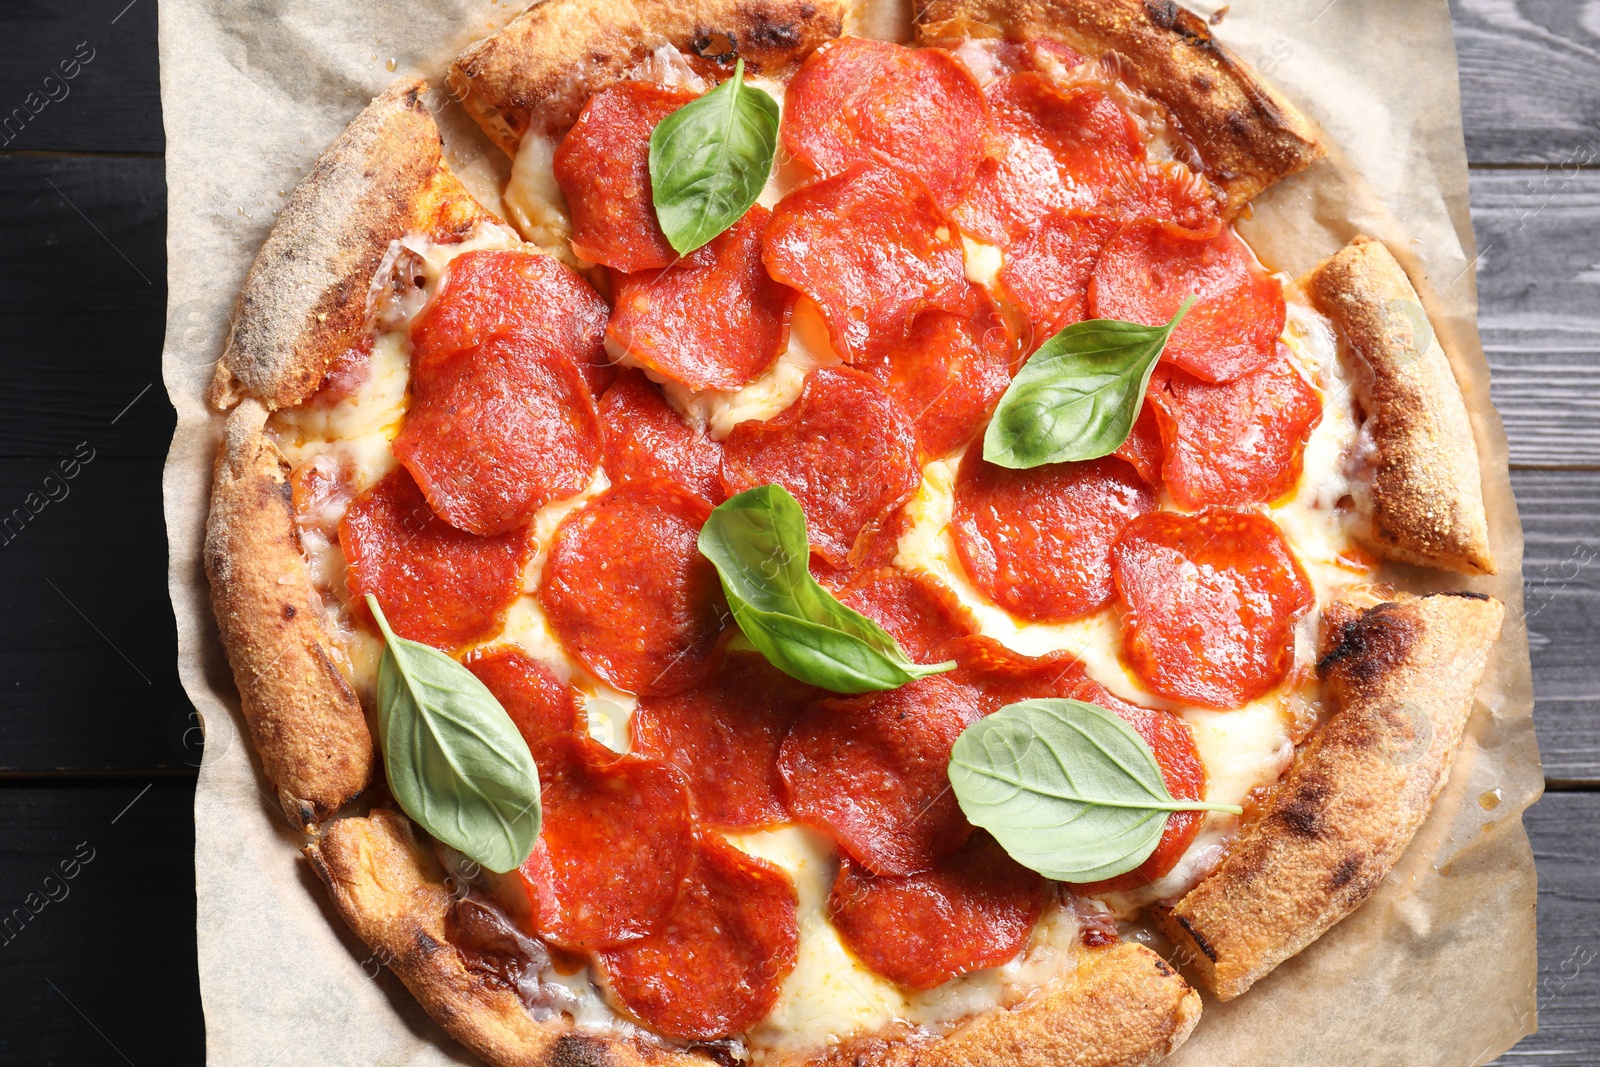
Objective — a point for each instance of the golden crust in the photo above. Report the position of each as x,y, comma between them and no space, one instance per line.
1423,500
304,718
1399,679
540,69
1248,136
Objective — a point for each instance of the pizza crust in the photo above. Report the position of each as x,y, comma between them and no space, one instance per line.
540,69
1248,136
1400,679
1420,491
305,719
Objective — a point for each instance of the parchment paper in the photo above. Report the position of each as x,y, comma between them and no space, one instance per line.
1438,967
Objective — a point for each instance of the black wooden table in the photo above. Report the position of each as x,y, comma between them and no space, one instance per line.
97,742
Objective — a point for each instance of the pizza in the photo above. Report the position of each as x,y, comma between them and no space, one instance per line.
853,559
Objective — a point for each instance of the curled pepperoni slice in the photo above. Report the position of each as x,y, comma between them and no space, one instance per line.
1000,676
713,320
857,100
715,967
627,591
1143,447
495,432
921,616
435,583
724,735
871,248
1047,270
843,449
541,705
646,438
603,167
1147,270
1241,442
1172,194
1038,542
1211,603
974,910
613,849
949,374
490,292
872,772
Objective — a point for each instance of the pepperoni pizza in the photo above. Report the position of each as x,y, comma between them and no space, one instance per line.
498,439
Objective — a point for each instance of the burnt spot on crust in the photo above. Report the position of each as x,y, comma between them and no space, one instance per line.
1372,646
1464,594
573,1050
486,945
774,35
1199,939
717,46
1302,815
288,611
1346,869
1163,968
1169,16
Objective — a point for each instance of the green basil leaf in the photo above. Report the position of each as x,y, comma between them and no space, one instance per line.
757,541
1077,397
710,159
1068,789
455,761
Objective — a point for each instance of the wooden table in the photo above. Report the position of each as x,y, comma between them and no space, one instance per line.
97,742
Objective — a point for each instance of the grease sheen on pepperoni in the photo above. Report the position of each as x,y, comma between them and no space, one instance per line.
857,100
719,960
488,292
1143,447
628,593
844,450
724,734
918,614
871,248
1047,270
948,374
614,846
436,584
976,909
541,705
603,167
646,438
872,772
1242,442
497,431
1147,270
713,320
1038,542
1211,601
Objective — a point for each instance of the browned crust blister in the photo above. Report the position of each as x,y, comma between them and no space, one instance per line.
1399,679
1248,136
304,718
1420,490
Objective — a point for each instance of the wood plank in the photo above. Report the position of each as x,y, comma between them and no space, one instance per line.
1567,852
112,101
1530,80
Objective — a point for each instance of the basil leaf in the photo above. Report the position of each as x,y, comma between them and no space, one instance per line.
757,541
1068,789
455,761
710,159
1077,397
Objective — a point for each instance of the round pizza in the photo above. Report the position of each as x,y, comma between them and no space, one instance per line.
853,559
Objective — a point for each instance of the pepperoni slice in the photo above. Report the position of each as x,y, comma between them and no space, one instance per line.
614,847
484,293
843,449
1143,447
724,735
879,549
495,432
871,248
1000,676
603,167
921,616
1147,270
1047,270
541,705
1038,542
1211,602
720,958
857,100
949,374
1174,195
1241,442
872,772
713,320
628,592
435,583
646,438
974,910
1063,150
